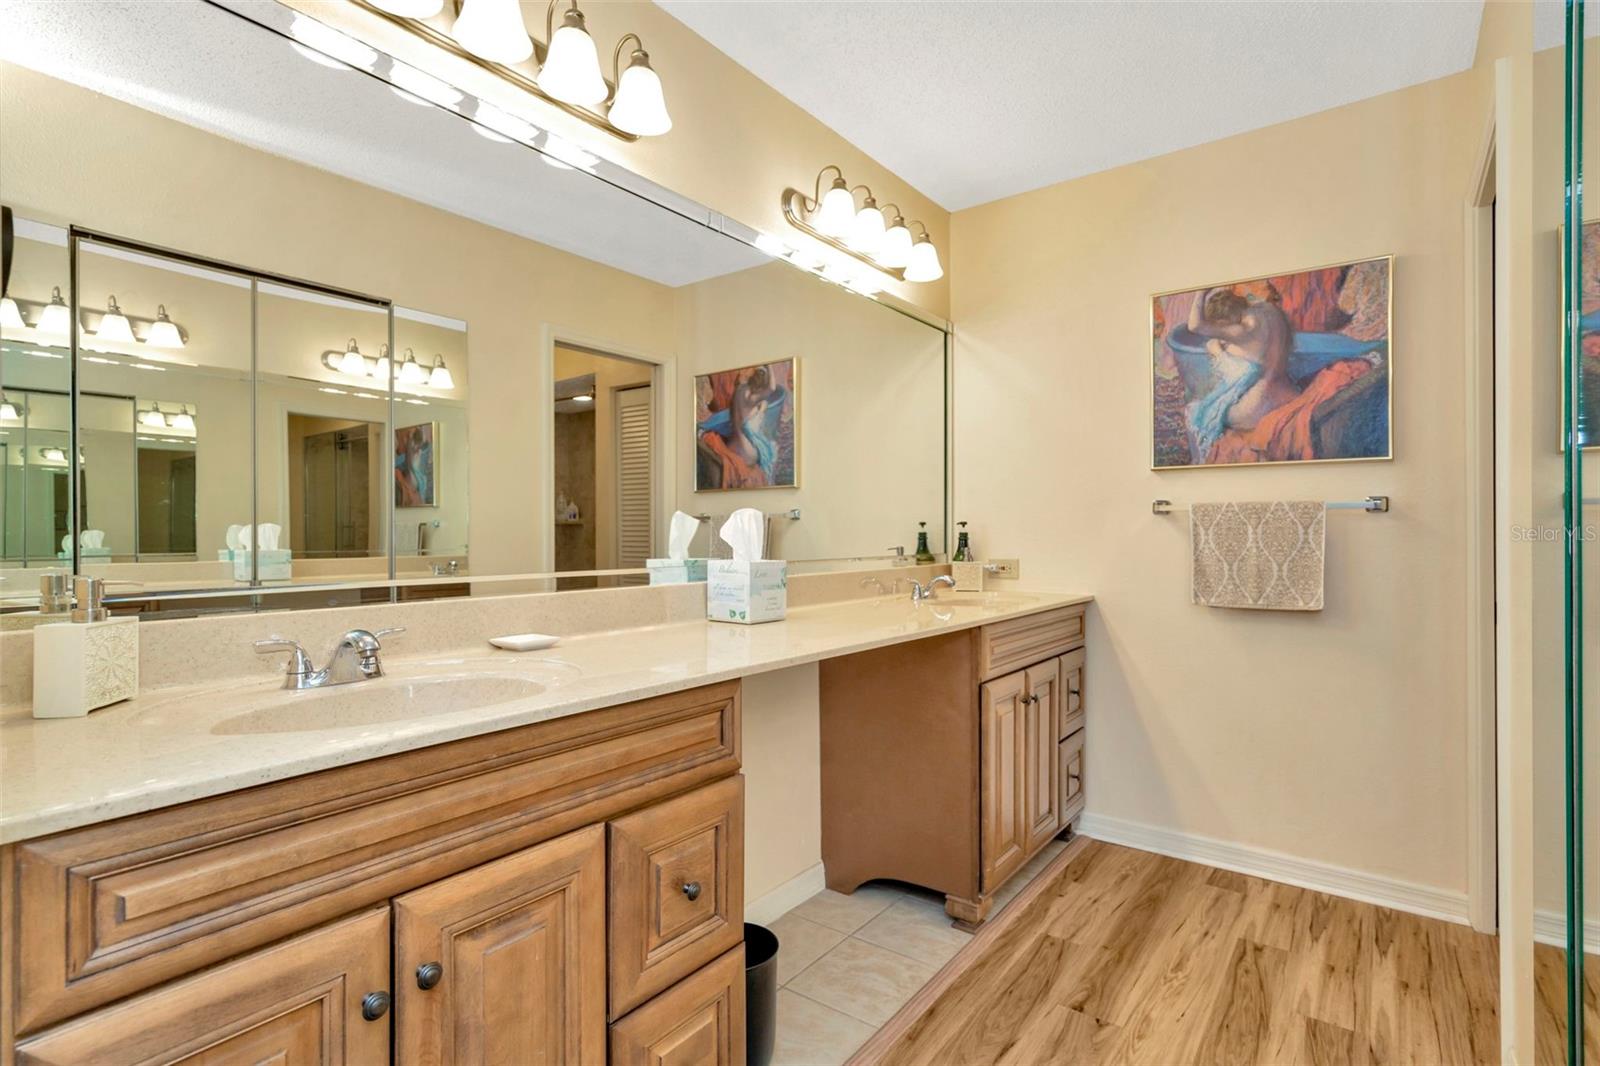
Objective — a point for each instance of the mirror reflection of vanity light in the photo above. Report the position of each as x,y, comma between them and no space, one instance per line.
163,332
11,314
54,319
415,87
153,418
439,377
564,155
114,325
182,420
411,372
327,46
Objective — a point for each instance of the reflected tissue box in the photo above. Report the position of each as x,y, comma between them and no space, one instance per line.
747,592
275,564
676,571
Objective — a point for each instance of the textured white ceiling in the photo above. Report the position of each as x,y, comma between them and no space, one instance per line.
973,101
207,67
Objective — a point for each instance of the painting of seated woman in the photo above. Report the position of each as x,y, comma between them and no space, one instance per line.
1291,368
745,436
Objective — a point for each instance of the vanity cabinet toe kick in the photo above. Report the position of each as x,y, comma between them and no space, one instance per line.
949,762
571,891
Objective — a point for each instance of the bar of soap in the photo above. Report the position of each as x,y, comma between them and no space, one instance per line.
525,641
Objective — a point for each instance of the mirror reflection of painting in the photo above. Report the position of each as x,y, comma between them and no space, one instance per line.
1587,293
745,428
1290,368
414,484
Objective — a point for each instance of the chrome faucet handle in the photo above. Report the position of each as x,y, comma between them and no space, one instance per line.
299,662
389,632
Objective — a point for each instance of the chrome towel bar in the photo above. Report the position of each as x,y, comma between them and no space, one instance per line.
1372,504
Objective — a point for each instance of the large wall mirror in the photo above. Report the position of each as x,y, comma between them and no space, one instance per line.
335,347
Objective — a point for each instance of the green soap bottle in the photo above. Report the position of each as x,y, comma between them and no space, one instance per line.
923,554
963,549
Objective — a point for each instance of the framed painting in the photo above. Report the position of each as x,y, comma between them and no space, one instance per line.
746,427
416,482
1284,368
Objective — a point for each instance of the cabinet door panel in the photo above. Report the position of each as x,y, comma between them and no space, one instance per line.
1042,811
298,1003
520,946
1072,692
1071,777
697,1022
1004,713
677,890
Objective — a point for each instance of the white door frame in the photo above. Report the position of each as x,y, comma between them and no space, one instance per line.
663,472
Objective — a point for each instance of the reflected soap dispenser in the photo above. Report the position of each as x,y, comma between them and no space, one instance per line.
89,662
924,553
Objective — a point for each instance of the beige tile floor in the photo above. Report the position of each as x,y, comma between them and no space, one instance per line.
846,964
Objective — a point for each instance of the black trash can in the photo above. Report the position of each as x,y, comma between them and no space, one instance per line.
760,993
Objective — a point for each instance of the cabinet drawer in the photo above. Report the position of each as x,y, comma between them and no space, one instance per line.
1071,692
697,1022
677,890
1071,777
1012,645
297,1002
110,910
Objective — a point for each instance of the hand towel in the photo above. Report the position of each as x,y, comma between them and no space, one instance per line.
1261,556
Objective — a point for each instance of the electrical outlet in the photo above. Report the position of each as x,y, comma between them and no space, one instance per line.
1008,569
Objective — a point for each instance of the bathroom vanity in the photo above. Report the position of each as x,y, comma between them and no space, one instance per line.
576,882
949,762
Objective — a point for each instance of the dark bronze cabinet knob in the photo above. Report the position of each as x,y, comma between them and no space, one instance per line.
429,974
691,889
375,1006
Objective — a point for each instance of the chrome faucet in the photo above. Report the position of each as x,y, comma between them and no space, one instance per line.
921,592
354,658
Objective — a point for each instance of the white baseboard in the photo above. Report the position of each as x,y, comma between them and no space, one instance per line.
1550,927
1276,866
786,897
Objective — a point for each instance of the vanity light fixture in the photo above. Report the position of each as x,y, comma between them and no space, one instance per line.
380,369
439,377
493,35
55,319
583,397
411,372
114,325
350,361
10,314
163,332
861,233
8,410
182,420
53,455
153,418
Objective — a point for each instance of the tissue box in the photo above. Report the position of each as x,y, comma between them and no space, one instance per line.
274,565
676,571
747,592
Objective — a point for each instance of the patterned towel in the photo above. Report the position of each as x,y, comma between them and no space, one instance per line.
1264,556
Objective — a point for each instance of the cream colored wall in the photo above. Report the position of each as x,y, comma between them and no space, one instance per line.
1338,736
782,738
179,187
871,409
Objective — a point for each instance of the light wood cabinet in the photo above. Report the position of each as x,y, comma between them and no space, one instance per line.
506,963
221,931
321,998
677,890
697,1022
1071,760
979,783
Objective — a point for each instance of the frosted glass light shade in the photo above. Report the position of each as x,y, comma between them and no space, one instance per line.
924,265
9,412
895,251
571,71
353,362
494,30
10,314
410,9
114,325
380,369
439,377
163,331
411,372
153,418
640,107
837,215
866,231
182,420
55,319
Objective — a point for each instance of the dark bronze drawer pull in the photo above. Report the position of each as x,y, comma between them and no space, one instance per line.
691,889
375,1006
429,974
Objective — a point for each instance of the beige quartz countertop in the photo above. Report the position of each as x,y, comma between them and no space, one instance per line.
177,744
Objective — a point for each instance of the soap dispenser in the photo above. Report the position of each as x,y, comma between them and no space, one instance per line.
924,554
88,662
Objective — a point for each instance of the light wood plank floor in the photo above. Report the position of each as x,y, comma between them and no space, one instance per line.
1130,957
